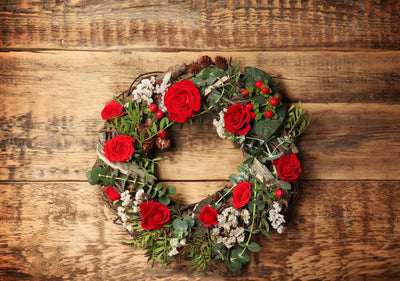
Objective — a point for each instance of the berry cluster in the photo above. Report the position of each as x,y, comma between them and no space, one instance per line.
266,102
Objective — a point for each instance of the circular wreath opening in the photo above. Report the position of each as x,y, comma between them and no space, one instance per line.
219,229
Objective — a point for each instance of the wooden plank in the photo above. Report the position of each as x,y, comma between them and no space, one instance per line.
204,25
62,231
51,102
367,77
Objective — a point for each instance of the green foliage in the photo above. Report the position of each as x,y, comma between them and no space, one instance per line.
265,128
200,252
102,176
182,227
163,195
296,123
252,74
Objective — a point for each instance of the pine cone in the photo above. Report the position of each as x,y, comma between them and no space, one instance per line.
142,127
194,68
205,61
163,143
221,62
148,145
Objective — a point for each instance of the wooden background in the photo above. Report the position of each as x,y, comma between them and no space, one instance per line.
61,60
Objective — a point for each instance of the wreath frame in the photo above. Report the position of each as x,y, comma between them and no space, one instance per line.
214,230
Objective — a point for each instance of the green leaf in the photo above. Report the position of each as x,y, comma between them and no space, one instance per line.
260,99
254,247
179,224
266,128
162,192
128,241
189,221
93,175
252,74
235,179
171,190
163,123
235,265
164,200
159,186
248,160
213,98
286,185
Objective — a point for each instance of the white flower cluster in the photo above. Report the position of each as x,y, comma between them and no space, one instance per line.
162,89
175,244
138,200
220,124
126,199
144,91
277,219
227,231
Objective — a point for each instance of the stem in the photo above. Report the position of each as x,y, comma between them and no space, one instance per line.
124,179
252,226
169,125
224,195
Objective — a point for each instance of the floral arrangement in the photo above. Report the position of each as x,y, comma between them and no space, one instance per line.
220,229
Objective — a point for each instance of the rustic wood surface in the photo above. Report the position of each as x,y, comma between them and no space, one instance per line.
60,61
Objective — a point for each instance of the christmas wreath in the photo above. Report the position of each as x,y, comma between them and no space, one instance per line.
220,229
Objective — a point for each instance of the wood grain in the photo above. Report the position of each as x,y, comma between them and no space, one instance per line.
51,102
200,25
62,231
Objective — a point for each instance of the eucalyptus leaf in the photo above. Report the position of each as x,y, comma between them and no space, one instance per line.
179,224
164,200
286,185
189,221
235,179
171,190
254,247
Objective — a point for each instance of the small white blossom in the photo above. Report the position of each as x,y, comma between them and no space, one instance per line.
215,231
277,220
139,194
144,91
174,242
173,252
240,238
182,242
162,89
220,124
125,198
245,214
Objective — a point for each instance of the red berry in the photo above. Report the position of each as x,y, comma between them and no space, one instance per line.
252,115
269,114
245,92
159,114
278,193
259,84
265,90
273,101
249,106
153,107
162,134
279,97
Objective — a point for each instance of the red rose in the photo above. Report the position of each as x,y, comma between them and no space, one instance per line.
182,100
111,193
241,194
237,119
154,215
111,110
119,148
287,167
208,216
